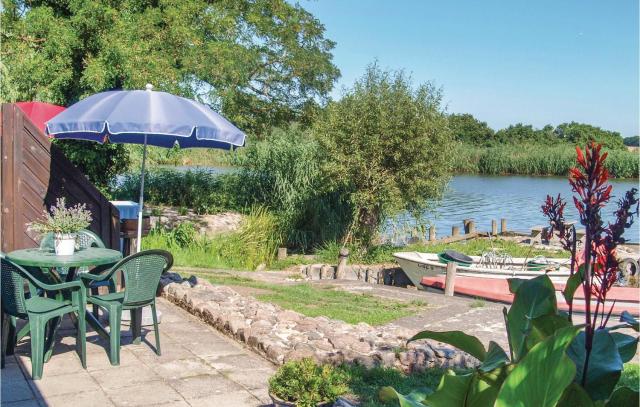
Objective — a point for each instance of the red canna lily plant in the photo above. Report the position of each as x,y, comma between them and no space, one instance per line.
597,261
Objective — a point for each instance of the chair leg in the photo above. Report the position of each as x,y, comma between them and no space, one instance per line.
115,314
12,335
136,325
94,291
81,339
37,346
155,327
50,338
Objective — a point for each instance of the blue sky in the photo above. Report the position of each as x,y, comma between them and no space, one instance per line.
505,61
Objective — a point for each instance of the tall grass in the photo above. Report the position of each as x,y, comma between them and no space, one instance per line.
200,190
535,159
255,243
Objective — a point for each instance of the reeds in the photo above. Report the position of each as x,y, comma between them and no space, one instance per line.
535,159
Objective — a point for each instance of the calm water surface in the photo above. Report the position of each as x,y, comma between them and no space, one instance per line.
516,198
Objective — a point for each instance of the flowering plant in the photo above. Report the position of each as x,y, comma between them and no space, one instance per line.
63,220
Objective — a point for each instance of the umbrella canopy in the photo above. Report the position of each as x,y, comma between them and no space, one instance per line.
39,112
145,117
126,116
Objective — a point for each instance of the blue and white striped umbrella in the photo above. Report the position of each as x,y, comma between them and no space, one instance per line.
145,117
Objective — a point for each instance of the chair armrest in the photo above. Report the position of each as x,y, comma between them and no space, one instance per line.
58,287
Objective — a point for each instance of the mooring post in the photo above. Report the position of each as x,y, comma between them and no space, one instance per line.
342,263
503,226
494,227
450,279
455,230
282,253
469,226
432,233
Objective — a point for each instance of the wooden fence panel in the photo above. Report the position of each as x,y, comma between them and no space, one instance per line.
34,174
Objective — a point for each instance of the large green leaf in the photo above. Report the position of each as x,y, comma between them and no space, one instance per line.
414,399
624,397
542,375
573,282
629,319
451,392
544,327
574,395
605,363
459,339
496,357
514,284
626,344
534,298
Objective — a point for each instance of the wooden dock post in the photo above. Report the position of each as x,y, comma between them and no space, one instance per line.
282,253
342,263
503,226
494,227
469,226
432,233
455,230
450,279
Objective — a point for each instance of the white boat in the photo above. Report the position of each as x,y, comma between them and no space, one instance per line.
417,265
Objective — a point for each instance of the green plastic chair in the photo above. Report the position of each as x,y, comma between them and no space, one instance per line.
86,239
141,273
38,311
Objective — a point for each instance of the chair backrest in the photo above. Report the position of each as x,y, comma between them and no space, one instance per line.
141,273
12,288
86,238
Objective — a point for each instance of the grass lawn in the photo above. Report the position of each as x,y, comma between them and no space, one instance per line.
318,300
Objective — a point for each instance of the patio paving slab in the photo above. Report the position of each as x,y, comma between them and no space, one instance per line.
198,367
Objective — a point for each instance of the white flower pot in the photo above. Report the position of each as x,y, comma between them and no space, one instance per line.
65,244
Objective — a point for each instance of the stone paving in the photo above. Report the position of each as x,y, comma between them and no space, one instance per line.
198,367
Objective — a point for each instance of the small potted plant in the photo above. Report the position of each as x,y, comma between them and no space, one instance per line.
64,223
304,383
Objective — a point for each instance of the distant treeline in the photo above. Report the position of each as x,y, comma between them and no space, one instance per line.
468,129
523,149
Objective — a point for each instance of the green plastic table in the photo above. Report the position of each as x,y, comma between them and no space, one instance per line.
92,256
48,261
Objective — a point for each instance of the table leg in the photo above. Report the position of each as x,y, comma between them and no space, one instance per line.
136,325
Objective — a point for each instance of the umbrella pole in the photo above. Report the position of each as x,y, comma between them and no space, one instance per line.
141,201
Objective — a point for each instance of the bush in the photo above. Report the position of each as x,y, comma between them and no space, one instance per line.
384,146
306,383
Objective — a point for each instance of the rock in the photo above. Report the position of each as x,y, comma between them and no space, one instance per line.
314,271
276,352
314,335
327,272
288,315
362,347
261,267
303,346
299,354
322,344
235,324
261,326
342,341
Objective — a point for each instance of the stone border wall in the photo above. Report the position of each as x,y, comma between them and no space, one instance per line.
387,274
281,335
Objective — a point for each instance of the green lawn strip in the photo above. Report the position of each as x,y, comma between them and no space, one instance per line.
365,383
630,376
316,300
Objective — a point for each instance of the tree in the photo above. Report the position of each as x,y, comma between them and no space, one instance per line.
525,133
582,134
385,146
631,141
468,129
260,63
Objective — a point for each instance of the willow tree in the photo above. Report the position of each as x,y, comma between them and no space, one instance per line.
259,62
387,148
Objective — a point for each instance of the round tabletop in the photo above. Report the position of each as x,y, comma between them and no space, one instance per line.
92,256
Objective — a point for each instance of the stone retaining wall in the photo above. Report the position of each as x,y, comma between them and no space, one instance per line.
387,274
281,335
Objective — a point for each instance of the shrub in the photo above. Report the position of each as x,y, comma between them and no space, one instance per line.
383,144
306,383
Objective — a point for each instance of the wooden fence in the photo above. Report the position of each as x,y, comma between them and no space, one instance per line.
34,174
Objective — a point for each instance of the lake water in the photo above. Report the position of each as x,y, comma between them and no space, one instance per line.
515,198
